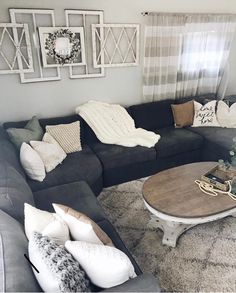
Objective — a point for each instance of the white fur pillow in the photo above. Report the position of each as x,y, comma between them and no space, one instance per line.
226,115
48,224
32,163
49,151
204,115
105,266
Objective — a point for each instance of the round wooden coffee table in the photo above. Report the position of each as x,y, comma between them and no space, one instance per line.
177,204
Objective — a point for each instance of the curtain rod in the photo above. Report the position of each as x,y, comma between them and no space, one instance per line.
146,13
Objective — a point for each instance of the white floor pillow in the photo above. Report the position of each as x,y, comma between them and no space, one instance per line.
48,224
226,115
105,266
32,163
49,151
204,115
82,227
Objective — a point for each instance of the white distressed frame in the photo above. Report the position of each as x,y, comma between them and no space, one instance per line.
100,33
46,30
85,13
13,12
16,43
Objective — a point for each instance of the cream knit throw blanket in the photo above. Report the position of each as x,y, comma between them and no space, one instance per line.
113,125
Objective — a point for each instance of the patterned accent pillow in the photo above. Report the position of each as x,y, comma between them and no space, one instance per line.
205,115
67,135
58,271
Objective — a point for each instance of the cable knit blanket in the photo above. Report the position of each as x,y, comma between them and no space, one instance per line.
113,125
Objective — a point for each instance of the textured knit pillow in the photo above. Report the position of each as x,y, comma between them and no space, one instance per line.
58,271
49,151
67,135
183,114
226,115
32,163
31,131
205,115
49,224
82,227
105,266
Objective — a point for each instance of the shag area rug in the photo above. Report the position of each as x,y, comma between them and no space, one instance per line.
203,260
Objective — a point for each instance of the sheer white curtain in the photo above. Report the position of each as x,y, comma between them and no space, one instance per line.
185,55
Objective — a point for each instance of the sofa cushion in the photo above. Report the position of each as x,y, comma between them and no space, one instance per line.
14,192
8,152
113,156
83,165
175,141
16,274
153,115
219,139
77,195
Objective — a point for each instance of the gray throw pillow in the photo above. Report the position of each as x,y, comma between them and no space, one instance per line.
31,131
57,270
14,192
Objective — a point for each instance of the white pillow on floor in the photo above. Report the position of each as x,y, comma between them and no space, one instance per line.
226,115
105,266
49,151
204,115
32,163
48,224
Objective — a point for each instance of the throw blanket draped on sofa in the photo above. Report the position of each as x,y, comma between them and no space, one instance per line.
113,125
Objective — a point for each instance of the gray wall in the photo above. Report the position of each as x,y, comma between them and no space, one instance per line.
121,85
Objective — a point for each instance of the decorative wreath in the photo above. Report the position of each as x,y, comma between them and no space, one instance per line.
51,42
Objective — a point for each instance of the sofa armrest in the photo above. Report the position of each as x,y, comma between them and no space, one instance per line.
143,283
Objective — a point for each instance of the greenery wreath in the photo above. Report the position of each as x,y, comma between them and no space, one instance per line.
50,46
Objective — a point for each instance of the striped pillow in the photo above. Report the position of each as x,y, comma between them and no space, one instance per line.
67,135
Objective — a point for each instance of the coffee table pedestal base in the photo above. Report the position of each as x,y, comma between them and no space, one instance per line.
171,230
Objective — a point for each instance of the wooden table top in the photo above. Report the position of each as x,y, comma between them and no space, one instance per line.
174,193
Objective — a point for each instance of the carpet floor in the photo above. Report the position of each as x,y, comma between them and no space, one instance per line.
204,259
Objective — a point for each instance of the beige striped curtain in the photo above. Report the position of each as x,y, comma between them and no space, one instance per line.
185,55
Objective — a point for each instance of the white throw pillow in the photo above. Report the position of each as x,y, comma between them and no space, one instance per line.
32,163
48,224
49,151
106,266
79,229
226,115
204,115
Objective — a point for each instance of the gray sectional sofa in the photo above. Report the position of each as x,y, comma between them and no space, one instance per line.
82,175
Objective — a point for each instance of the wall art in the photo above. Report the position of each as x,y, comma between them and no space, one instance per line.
85,18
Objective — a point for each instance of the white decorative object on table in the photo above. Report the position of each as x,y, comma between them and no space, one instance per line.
115,45
85,18
49,151
226,115
205,115
15,37
33,17
62,46
32,163
105,266
49,224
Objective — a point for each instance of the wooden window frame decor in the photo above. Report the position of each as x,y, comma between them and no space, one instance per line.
20,62
103,36
85,14
75,37
44,74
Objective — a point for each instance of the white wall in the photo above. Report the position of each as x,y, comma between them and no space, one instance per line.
123,85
